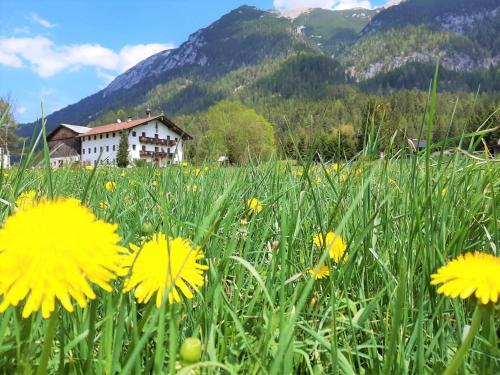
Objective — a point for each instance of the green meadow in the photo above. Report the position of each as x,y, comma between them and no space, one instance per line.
260,310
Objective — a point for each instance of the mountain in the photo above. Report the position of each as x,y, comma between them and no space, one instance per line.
250,54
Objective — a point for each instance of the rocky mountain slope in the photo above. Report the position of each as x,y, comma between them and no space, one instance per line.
254,52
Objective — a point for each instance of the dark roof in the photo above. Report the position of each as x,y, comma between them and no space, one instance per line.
74,128
117,126
422,143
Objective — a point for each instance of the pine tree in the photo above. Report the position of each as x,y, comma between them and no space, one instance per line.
122,154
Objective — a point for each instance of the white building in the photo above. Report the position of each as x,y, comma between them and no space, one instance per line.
4,159
154,139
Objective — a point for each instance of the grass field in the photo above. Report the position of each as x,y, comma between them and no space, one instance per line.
260,310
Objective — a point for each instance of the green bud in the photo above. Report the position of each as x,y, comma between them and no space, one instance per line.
147,228
191,350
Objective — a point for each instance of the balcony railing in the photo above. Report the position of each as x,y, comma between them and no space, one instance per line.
155,154
157,141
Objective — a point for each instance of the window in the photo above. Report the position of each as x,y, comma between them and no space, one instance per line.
114,147
83,151
100,136
95,150
100,149
156,135
143,134
95,137
156,126
143,148
168,138
133,147
107,135
113,134
134,134
157,149
90,150
176,139
107,148
168,150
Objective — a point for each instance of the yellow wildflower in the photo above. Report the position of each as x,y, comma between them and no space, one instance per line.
254,205
473,273
335,167
164,264
89,168
319,272
110,186
42,267
334,243
103,205
154,183
197,172
184,164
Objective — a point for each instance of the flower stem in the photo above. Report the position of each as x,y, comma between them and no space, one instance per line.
47,345
457,360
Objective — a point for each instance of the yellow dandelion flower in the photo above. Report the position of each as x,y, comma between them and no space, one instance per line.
165,264
299,173
122,174
42,267
320,272
103,205
336,244
444,192
473,273
26,200
205,169
110,186
335,167
343,177
5,174
197,172
89,168
254,205
154,183
184,164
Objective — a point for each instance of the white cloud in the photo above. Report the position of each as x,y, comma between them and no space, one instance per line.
46,58
20,110
325,4
42,22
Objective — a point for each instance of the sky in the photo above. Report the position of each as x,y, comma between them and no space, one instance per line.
57,52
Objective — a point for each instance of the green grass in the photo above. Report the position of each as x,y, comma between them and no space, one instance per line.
259,312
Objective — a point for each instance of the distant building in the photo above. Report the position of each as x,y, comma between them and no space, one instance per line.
4,159
65,144
494,148
155,139
417,144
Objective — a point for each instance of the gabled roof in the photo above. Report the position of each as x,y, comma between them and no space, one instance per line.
124,125
74,128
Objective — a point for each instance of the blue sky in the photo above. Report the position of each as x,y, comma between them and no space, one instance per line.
60,51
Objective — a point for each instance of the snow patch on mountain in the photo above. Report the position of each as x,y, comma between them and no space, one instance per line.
291,13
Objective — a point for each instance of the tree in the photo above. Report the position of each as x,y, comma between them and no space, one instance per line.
122,156
9,141
237,132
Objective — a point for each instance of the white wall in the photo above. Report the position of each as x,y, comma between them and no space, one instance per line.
4,159
105,142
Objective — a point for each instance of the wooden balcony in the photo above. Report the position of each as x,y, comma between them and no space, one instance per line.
157,141
155,154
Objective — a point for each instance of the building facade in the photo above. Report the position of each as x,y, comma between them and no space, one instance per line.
4,159
154,139
65,145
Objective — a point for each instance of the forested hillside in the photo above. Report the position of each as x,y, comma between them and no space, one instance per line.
319,74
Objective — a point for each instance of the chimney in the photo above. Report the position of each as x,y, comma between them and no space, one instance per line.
148,112
118,121
129,118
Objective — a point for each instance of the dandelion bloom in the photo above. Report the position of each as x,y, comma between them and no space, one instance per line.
254,205
110,186
335,244
335,167
154,183
44,266
319,272
473,273
103,205
89,168
184,164
26,200
197,172
164,264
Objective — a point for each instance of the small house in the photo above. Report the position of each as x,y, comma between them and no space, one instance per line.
65,144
